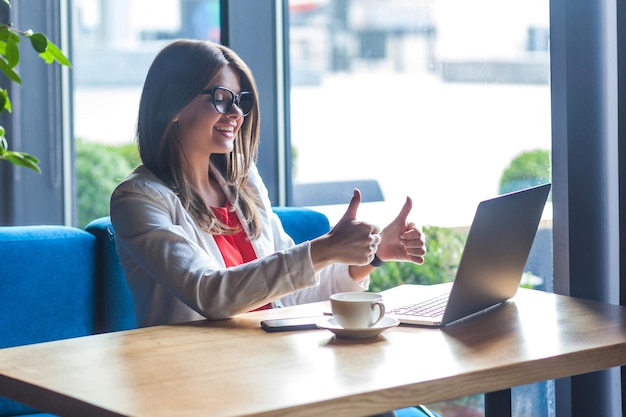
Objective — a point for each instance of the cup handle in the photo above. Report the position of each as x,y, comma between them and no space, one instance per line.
381,309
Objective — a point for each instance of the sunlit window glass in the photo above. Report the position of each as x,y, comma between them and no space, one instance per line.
447,101
114,43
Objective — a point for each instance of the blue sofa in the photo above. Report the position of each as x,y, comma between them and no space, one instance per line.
58,282
47,289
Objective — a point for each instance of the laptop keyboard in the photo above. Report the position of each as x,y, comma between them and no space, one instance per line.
432,307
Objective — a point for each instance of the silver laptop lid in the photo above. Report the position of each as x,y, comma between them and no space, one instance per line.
496,251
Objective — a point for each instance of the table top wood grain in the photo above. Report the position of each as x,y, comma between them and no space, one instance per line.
233,368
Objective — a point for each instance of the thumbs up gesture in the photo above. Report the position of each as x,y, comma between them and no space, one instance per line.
354,242
402,240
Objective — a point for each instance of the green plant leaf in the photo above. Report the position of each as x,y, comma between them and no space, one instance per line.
5,32
9,59
47,57
47,49
39,42
57,54
9,72
22,159
5,104
12,53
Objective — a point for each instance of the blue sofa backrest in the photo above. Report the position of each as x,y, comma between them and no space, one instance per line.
47,288
302,223
115,304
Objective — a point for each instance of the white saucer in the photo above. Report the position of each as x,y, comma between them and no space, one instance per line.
332,325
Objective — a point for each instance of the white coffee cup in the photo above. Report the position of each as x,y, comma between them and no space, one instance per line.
357,310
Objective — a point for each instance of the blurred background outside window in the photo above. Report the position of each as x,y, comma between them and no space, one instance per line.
114,43
447,101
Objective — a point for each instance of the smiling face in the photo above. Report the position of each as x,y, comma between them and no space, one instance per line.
202,129
180,133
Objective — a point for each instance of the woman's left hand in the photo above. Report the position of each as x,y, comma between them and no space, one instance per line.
402,240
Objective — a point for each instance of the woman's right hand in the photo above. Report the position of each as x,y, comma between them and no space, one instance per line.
350,242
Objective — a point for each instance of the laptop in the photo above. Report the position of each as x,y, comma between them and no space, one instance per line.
491,266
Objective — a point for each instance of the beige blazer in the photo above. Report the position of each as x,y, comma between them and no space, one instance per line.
176,273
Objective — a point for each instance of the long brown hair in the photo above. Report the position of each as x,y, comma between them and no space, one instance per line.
177,75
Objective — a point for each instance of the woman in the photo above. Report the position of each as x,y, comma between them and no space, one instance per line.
194,227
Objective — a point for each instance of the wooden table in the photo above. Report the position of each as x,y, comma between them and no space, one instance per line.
233,368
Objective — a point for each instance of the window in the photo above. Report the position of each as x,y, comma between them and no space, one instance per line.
114,45
429,98
439,100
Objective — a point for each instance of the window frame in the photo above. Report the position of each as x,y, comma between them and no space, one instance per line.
267,56
586,177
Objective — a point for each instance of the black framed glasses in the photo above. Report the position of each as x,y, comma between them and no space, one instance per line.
223,100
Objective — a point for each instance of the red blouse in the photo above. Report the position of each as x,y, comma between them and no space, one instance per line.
236,249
